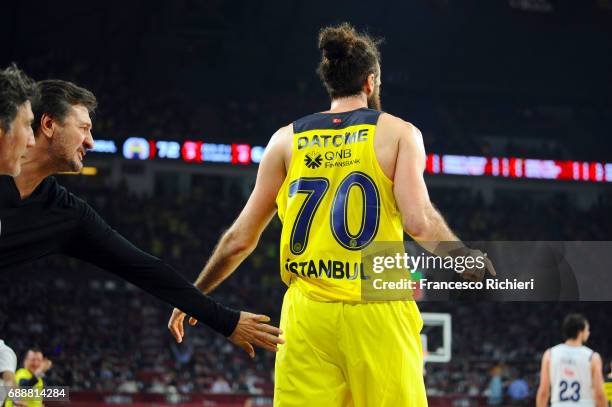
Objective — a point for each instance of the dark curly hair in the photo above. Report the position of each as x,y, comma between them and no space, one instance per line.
16,88
348,57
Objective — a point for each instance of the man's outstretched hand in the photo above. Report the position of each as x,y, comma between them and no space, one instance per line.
252,329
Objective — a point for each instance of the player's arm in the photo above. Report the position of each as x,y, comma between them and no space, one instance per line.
98,244
8,380
421,220
243,235
598,381
543,394
8,377
8,365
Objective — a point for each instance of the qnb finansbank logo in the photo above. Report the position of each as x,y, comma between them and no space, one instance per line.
313,160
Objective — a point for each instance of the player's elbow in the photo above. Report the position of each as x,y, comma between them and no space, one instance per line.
600,396
416,224
8,377
542,396
239,244
543,391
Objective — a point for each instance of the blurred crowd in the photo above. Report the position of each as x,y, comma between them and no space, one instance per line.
102,334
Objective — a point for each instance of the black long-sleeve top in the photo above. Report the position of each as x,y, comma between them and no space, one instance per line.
54,221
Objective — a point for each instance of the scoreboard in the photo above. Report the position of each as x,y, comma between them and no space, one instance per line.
201,152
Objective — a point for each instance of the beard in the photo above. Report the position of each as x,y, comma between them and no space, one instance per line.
67,164
374,100
63,159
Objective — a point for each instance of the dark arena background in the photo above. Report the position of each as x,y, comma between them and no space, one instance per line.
513,98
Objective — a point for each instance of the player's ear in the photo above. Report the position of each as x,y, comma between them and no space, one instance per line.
46,124
370,84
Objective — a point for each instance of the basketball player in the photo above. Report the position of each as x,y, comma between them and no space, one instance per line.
340,180
41,218
571,373
16,92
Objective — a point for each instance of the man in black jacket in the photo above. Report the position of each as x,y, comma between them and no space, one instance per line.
40,217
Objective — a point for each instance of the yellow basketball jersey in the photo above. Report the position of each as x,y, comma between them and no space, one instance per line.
608,389
334,202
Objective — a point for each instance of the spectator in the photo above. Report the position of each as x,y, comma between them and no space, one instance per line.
495,391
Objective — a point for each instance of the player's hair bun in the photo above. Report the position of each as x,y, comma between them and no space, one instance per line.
337,42
347,59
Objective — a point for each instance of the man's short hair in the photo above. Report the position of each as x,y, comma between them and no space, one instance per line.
57,97
16,88
573,324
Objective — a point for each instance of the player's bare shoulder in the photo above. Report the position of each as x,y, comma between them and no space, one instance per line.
546,356
283,132
281,143
596,360
396,129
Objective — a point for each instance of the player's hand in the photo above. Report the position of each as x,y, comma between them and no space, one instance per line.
175,325
475,273
252,329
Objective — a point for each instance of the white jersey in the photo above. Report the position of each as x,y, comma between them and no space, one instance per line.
570,376
8,363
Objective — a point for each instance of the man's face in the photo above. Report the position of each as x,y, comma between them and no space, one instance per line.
15,142
71,140
33,361
374,97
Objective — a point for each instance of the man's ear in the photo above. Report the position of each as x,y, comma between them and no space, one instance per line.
47,125
370,84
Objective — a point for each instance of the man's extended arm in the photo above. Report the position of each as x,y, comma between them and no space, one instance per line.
102,246
243,235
